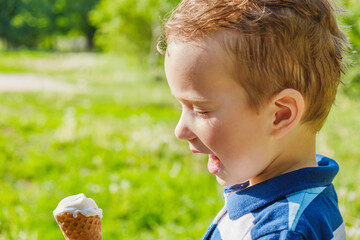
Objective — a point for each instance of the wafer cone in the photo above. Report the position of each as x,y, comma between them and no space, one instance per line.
80,227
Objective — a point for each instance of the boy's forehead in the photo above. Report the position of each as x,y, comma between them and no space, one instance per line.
197,65
194,54
186,61
189,51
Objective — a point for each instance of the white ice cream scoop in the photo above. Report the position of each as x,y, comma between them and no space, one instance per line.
78,204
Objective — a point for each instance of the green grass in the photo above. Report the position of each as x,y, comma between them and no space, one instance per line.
114,142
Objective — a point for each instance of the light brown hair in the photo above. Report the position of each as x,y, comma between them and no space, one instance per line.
277,44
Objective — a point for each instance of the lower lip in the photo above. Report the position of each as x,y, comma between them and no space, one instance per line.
214,164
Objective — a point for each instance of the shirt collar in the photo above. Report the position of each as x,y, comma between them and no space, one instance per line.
247,199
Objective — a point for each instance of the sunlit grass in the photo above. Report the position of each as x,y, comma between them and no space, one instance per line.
114,142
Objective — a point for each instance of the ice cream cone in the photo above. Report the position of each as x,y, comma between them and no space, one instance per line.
79,218
80,227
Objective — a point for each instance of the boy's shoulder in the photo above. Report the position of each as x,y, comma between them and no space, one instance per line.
297,205
312,213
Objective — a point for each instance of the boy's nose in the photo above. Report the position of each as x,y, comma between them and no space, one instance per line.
183,130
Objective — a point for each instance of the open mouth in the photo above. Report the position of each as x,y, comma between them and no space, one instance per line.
214,164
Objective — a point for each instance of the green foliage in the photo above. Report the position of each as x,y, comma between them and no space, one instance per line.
22,21
72,17
351,21
130,26
33,23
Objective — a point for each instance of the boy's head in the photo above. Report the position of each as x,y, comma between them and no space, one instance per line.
225,59
274,45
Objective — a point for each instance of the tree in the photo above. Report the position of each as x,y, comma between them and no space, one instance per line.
130,25
29,23
72,17
18,26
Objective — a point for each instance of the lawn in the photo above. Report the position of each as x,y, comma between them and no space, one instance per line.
112,139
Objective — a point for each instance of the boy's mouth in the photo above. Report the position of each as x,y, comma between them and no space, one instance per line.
214,164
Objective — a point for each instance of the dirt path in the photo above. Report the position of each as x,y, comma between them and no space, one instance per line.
31,82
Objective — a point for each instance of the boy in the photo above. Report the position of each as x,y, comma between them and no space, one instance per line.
256,80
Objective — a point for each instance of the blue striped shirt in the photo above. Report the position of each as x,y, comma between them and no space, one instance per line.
297,205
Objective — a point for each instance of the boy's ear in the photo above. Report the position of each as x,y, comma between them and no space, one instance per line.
288,107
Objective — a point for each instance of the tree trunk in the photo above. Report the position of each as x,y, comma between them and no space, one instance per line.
90,38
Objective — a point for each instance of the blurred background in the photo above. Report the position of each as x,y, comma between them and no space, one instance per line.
84,107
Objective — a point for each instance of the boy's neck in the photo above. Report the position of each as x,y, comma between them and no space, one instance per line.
294,152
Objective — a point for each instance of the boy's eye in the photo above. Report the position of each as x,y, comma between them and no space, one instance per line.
202,114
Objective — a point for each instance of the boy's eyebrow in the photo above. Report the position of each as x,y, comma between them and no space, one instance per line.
196,101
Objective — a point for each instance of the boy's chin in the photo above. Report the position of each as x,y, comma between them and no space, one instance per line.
223,182
227,183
